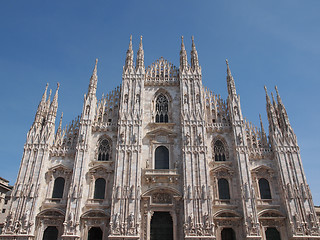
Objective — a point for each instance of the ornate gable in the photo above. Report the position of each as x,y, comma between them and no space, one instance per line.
162,72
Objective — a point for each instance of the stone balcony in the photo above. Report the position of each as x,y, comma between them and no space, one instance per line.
160,175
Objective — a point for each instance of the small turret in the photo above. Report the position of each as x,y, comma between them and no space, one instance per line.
129,56
183,56
140,56
194,56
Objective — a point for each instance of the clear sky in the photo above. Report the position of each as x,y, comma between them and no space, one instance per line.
266,42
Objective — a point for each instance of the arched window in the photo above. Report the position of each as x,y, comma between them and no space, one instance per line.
99,188
272,234
219,151
228,234
264,188
104,150
223,187
162,158
51,233
162,109
58,188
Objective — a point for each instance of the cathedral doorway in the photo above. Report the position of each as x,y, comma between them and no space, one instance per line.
228,234
272,234
95,233
51,233
161,226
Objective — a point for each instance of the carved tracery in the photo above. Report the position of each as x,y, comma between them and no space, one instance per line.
104,150
162,109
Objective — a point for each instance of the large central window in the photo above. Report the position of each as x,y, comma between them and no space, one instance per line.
162,158
162,109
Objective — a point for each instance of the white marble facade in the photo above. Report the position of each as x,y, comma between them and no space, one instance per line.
161,153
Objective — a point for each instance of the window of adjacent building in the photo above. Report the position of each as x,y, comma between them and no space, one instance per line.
223,187
104,150
99,188
219,151
58,188
3,210
162,158
6,201
264,188
162,109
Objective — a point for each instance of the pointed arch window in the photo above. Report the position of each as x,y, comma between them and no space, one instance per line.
264,188
219,151
104,150
58,188
223,187
162,158
162,109
99,188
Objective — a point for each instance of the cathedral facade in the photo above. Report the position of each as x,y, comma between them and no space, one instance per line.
161,158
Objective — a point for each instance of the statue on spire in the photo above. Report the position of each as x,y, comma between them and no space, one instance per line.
129,56
93,80
194,56
183,56
230,82
140,56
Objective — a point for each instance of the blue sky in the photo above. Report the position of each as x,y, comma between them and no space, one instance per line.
267,43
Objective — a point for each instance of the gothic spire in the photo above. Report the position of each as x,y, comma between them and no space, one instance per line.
183,56
48,102
230,82
140,55
129,56
282,110
264,140
93,81
42,105
58,134
54,106
194,56
271,112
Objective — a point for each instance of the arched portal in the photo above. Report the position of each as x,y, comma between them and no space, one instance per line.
161,226
228,234
95,233
272,234
51,233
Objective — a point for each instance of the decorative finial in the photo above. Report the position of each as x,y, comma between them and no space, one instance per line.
182,43
130,43
265,89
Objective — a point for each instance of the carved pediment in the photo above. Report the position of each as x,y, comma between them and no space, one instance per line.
262,171
222,170
99,170
59,170
270,213
161,130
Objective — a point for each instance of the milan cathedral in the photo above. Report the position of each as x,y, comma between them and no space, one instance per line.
161,158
